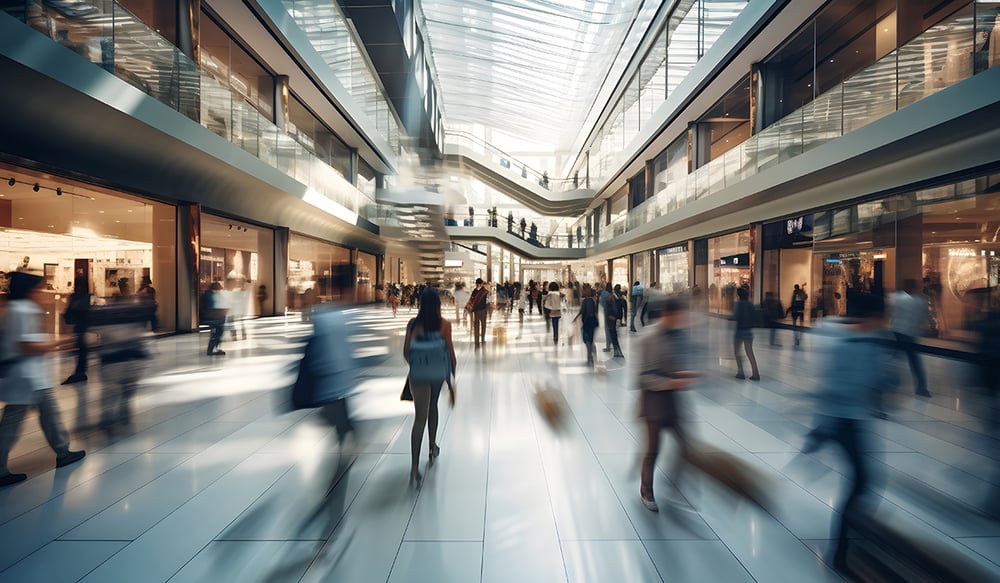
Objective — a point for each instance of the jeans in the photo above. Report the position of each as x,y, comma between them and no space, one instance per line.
555,329
611,334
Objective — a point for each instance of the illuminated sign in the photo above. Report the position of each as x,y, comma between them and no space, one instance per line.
963,252
741,261
793,226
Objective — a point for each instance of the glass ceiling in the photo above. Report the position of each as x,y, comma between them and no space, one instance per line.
529,68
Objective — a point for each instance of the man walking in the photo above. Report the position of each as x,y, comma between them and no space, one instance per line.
477,305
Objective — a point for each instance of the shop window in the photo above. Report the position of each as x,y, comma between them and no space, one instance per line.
637,190
240,258
312,267
674,272
110,240
729,269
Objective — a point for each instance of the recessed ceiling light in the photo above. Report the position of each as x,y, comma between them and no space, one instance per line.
102,212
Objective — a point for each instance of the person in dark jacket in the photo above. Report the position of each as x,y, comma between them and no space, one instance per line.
666,365
77,315
746,316
588,315
773,311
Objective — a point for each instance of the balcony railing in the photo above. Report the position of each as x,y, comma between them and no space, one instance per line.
111,37
505,163
542,237
940,57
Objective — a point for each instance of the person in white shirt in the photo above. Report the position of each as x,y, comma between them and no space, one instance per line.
910,314
27,380
553,305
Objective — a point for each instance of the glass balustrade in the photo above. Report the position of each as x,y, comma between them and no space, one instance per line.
940,57
111,37
503,162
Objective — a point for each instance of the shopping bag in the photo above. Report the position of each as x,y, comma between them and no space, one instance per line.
551,404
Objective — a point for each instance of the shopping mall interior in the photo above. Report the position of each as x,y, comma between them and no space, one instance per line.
302,156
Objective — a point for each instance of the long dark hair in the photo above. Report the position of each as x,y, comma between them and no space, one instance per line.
429,314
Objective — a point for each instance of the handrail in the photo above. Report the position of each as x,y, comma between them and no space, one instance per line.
908,74
123,45
542,237
515,166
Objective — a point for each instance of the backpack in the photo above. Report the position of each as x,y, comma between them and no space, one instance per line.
429,359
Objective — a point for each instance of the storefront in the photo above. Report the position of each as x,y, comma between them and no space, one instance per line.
311,266
66,230
729,268
641,268
787,259
619,272
674,270
239,257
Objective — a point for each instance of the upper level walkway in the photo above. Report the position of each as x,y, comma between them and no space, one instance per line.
512,242
215,482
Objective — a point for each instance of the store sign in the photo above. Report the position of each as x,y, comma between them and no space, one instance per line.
793,226
741,260
963,252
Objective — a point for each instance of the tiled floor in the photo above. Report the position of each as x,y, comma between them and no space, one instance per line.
217,482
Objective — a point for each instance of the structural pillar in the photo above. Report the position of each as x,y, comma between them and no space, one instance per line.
280,282
188,258
281,97
188,25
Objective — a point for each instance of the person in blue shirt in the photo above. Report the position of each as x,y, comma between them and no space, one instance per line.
636,300
847,398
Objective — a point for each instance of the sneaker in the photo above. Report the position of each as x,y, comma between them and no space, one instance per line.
70,457
650,504
755,377
740,376
11,479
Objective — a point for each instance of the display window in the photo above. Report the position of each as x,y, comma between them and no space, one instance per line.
239,257
729,262
67,231
787,260
311,266
674,271
619,273
366,278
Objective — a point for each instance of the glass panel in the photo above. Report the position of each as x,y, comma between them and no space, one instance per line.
822,120
767,147
987,41
871,94
936,59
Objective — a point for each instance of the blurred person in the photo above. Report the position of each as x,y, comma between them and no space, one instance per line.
665,367
650,297
478,306
238,301
26,375
609,302
123,359
589,322
532,294
636,298
909,317
523,225
773,311
428,326
147,295
393,295
214,310
521,302
746,318
846,397
543,292
622,305
329,369
510,221
77,315
261,300
798,311
553,307
461,299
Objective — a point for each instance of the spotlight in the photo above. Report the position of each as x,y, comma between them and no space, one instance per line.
12,182
58,191
35,187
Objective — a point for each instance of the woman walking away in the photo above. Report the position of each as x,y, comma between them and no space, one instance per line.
746,317
27,379
429,351
588,312
553,305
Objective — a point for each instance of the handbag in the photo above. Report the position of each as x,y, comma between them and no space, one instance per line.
406,395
